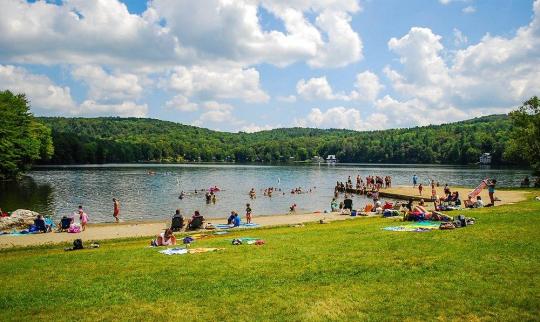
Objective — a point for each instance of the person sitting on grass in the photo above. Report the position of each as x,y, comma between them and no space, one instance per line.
196,220
236,220
334,205
479,203
39,222
166,238
230,219
421,207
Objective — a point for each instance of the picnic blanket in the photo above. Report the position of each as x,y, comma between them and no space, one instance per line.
420,226
242,225
182,251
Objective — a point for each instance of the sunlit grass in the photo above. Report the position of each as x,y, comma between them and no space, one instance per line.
349,270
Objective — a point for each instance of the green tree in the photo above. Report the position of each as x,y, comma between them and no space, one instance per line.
524,144
23,140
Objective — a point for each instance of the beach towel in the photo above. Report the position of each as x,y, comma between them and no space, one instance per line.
242,225
174,251
420,226
406,228
182,251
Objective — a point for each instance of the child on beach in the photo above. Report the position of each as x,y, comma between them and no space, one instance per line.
116,210
433,191
420,188
83,217
248,214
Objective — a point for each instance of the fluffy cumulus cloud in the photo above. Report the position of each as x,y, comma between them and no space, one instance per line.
43,93
47,97
105,86
218,83
315,88
494,75
367,87
115,53
335,117
97,32
182,103
124,109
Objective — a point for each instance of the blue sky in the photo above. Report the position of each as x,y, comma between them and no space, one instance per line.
255,65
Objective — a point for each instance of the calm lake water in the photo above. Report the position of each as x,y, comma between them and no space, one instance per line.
59,190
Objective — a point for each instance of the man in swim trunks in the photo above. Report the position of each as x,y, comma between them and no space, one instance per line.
116,211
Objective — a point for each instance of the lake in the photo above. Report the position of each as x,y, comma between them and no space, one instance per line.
59,190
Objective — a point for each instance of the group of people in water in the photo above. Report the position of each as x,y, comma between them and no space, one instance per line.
372,184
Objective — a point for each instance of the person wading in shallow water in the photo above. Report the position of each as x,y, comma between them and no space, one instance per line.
116,211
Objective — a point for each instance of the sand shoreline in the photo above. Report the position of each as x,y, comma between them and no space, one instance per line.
103,231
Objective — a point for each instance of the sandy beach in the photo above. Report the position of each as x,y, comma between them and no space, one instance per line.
104,231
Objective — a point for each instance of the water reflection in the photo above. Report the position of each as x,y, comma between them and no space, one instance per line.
27,192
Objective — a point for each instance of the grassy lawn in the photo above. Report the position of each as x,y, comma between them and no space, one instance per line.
349,270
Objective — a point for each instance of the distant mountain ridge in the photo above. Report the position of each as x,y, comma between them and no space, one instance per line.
114,139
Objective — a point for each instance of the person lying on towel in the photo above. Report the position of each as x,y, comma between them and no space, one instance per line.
166,238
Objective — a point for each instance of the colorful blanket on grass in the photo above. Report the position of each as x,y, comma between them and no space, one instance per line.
420,226
242,225
182,251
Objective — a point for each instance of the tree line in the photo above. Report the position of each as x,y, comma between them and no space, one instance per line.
25,139
106,140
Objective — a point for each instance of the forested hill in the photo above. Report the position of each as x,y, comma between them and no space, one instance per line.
105,140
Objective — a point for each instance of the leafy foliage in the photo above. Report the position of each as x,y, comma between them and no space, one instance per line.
524,144
102,140
23,139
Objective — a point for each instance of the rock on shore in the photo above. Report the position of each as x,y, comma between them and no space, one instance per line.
20,218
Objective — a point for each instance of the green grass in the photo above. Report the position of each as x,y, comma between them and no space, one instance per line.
349,270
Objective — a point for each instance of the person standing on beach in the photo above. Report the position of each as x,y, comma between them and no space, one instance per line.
83,218
248,213
433,191
491,191
414,180
116,211
420,188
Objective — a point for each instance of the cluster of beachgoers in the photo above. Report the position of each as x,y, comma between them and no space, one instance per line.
430,207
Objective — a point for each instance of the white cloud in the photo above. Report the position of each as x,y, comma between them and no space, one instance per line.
105,86
251,128
493,76
344,45
287,99
81,32
43,93
46,97
468,9
335,117
459,38
124,109
181,103
218,83
315,88
217,113
367,88
219,30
